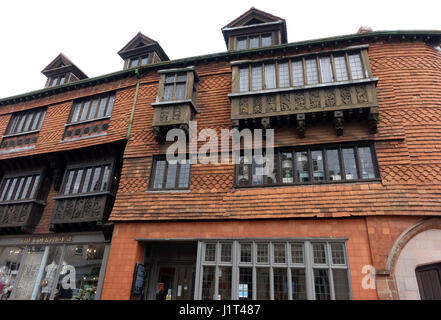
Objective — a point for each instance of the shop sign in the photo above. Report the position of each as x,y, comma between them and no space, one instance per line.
46,240
138,279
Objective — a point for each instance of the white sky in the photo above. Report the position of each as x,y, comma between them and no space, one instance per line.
90,33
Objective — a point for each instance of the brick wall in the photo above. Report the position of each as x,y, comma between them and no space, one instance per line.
125,250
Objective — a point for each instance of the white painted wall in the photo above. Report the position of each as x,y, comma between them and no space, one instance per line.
424,248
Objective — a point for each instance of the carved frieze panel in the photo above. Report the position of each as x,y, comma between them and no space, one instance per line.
345,94
257,104
304,101
314,99
271,103
19,217
285,103
300,101
71,210
169,116
361,94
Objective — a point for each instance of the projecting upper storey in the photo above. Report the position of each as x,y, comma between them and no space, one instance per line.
140,51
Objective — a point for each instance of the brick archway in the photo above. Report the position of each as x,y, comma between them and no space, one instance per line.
386,278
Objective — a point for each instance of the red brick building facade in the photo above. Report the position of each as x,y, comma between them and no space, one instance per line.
356,131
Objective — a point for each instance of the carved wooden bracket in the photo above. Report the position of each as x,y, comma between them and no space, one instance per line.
301,125
338,122
373,120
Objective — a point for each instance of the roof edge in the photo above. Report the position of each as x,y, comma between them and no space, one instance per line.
427,35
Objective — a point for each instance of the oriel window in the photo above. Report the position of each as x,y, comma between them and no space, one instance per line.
174,87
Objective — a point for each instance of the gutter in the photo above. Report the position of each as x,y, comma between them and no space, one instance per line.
424,35
135,99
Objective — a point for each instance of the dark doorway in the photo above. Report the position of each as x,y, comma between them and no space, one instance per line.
429,281
173,268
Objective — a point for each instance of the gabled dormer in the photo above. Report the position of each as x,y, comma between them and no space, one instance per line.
142,50
61,70
254,29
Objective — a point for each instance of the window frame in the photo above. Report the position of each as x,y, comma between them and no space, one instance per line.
155,160
85,166
57,80
90,99
175,83
307,265
28,173
316,57
322,147
32,113
253,35
139,59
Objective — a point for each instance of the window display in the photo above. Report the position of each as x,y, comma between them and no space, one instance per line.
50,272
10,258
79,273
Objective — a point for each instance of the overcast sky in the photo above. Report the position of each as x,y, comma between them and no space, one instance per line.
90,33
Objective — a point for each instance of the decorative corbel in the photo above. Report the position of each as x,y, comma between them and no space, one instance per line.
338,122
158,135
301,125
266,124
235,123
373,119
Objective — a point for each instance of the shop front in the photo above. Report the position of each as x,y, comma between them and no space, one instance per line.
248,269
53,267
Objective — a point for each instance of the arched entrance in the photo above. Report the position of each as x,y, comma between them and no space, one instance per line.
417,272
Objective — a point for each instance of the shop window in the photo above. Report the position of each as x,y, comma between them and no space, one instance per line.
169,175
10,258
64,272
303,165
26,121
264,270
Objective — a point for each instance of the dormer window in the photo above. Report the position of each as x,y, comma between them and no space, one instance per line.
61,70
254,29
141,51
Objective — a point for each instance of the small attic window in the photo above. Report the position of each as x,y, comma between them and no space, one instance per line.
138,61
254,41
56,81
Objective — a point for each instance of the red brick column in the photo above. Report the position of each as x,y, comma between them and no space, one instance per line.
124,253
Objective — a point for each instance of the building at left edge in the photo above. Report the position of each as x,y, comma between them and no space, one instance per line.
60,160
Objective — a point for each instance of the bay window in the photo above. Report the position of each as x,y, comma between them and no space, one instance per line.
301,71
